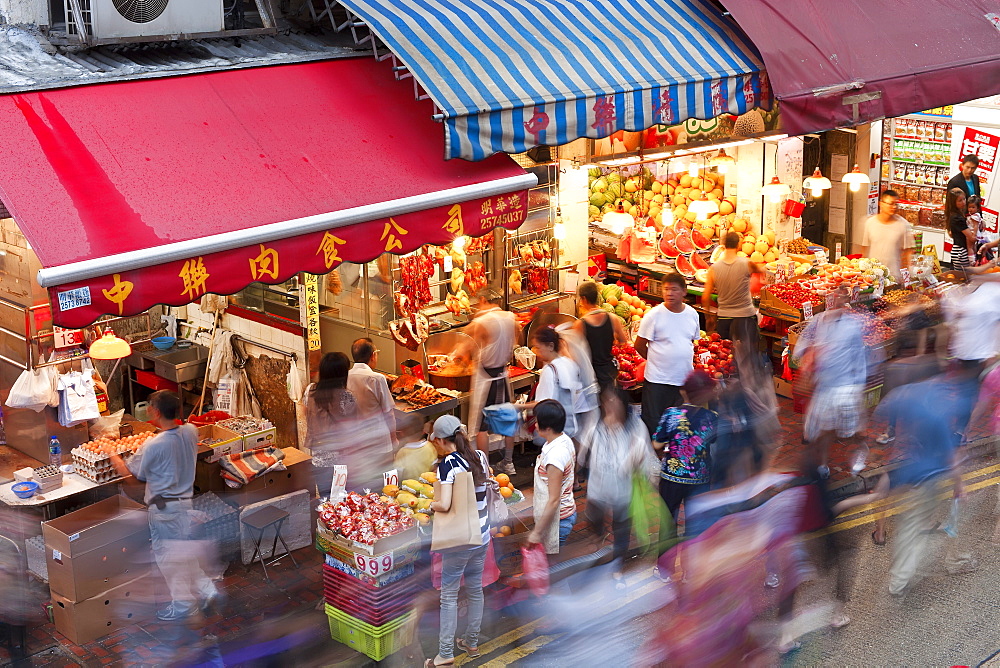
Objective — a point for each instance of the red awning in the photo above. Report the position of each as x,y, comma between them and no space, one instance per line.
158,191
837,64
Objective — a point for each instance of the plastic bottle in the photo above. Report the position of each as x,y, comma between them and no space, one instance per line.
55,452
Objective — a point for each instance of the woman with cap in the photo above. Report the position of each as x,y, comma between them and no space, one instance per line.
458,455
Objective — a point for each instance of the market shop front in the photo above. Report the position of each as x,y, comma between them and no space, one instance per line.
162,195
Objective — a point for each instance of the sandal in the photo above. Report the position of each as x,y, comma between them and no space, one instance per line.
885,537
472,652
429,663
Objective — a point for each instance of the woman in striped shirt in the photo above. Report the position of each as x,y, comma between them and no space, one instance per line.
458,455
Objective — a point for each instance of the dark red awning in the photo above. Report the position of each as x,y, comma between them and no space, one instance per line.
158,191
840,63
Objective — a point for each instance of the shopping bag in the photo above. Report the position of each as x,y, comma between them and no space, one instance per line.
459,527
535,564
32,389
491,573
651,521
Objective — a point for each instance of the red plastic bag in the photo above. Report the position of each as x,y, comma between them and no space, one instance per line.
536,568
490,571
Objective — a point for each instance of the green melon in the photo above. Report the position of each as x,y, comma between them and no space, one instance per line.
598,200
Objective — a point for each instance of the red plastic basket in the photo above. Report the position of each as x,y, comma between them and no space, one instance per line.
376,616
793,208
334,580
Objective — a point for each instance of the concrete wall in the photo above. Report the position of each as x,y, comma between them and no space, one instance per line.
19,12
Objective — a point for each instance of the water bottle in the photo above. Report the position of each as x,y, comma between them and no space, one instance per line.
55,452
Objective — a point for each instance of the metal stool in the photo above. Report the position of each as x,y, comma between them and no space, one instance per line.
260,521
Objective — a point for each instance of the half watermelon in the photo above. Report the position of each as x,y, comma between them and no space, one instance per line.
668,249
700,240
698,262
684,267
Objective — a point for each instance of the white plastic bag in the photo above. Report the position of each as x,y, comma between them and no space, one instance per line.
107,425
33,389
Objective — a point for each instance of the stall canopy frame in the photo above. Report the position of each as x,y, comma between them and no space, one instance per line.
841,64
160,191
509,75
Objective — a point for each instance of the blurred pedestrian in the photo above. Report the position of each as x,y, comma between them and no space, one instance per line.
602,331
495,330
963,238
666,340
729,279
833,354
620,450
686,435
166,464
560,378
926,414
554,505
331,415
458,455
887,236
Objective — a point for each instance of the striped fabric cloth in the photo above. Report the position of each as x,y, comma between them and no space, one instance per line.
512,74
242,467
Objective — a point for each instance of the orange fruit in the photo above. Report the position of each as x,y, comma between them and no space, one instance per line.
503,480
504,531
506,492
390,490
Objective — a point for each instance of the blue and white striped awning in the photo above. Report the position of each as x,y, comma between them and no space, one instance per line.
512,74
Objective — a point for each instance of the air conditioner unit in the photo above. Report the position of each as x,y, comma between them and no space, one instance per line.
111,19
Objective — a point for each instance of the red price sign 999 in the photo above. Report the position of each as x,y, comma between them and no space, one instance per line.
374,566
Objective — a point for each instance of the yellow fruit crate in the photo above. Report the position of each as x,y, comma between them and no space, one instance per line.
375,642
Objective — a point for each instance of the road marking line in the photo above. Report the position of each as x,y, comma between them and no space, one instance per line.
895,510
892,500
522,631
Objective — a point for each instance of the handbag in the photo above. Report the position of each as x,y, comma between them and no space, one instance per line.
649,515
459,527
496,507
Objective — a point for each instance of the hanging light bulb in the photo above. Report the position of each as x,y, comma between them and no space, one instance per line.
775,190
855,178
616,221
722,161
704,207
458,243
558,229
667,217
817,183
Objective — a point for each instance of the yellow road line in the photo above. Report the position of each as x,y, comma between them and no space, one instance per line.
870,519
892,500
523,650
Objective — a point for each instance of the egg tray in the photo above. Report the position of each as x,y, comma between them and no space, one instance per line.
99,476
47,477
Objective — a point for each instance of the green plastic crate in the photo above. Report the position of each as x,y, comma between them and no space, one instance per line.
375,642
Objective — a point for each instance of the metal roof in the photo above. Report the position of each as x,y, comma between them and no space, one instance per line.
29,63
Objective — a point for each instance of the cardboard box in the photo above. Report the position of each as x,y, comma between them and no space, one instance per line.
297,475
87,620
404,546
208,477
231,443
260,439
96,548
782,388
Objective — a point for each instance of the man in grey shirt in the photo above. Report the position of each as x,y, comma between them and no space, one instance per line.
166,464
729,278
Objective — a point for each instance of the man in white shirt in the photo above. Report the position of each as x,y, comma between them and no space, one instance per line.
371,389
887,236
666,339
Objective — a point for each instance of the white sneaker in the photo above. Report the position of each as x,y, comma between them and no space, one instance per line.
508,468
884,439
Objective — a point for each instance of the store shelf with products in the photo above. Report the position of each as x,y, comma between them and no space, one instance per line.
916,154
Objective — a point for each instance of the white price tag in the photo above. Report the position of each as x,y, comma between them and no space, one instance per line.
829,301
837,251
390,477
337,490
705,358
807,310
448,264
905,273
820,257
879,289
375,566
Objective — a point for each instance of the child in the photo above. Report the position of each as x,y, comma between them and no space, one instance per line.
418,455
554,505
986,242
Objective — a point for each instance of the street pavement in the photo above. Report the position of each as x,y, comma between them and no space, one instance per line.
943,620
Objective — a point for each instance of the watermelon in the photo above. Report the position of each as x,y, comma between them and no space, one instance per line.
598,200
668,249
684,243
700,240
684,267
698,262
701,275
668,233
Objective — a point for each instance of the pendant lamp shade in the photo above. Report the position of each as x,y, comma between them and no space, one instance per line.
616,221
817,183
775,190
856,178
110,347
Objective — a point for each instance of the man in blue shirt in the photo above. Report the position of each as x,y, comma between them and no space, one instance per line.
966,180
927,414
